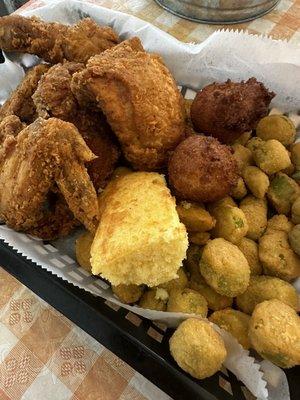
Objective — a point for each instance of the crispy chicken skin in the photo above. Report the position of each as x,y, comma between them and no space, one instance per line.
54,98
55,42
140,99
45,153
20,102
226,110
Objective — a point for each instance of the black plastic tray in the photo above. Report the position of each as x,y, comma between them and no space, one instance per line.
131,343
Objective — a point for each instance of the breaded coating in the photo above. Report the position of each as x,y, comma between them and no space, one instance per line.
240,190
199,238
243,156
187,301
140,99
282,193
295,210
55,42
255,211
46,152
234,322
279,223
270,156
231,224
263,288
197,348
128,294
83,250
195,217
20,102
278,127
54,98
257,181
10,126
202,169
294,239
178,283
154,299
226,110
250,250
274,332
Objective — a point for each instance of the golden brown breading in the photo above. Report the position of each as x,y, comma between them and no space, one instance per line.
140,99
20,102
10,126
54,98
202,169
226,110
46,152
55,42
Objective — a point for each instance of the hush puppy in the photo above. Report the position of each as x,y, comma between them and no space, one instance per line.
226,110
187,301
234,322
202,169
263,288
276,127
197,348
274,332
224,267
250,250
255,211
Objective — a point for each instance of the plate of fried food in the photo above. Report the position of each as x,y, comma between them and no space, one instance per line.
184,205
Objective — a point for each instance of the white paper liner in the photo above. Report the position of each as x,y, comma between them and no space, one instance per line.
223,55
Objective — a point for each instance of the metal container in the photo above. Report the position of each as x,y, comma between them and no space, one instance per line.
218,11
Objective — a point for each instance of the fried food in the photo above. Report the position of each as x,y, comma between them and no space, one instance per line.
197,348
282,193
225,201
231,224
55,42
83,250
10,126
128,294
270,156
250,250
224,267
187,301
255,211
154,299
294,239
239,190
227,110
263,288
295,211
54,98
278,127
46,152
178,283
140,99
195,217
20,102
274,332
202,169
257,181
234,322
140,239
199,238
277,257
243,157
279,223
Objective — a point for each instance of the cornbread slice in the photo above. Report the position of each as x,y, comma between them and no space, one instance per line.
140,239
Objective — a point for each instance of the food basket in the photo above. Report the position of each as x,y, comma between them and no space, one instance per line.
142,343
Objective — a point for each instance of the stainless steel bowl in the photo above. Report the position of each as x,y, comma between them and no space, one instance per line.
218,11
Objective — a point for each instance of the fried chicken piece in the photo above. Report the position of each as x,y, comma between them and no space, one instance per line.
54,98
226,110
44,153
140,99
20,102
10,126
55,42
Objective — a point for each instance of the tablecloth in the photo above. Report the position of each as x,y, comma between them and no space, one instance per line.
45,356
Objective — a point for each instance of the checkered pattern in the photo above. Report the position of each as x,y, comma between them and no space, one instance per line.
42,354
281,23
45,356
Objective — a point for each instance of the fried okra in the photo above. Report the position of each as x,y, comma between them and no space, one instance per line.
128,294
276,127
234,322
187,301
271,156
197,348
257,181
279,223
263,288
231,224
194,217
240,190
243,157
295,211
283,191
177,283
274,332
294,239
154,299
277,257
250,250
224,267
199,238
255,211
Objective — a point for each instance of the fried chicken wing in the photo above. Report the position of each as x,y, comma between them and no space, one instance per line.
140,99
54,98
20,102
45,153
55,42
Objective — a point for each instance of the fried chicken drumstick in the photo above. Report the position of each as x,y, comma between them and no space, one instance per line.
20,102
55,42
54,98
32,161
140,100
